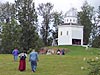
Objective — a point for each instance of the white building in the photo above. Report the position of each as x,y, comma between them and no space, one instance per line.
70,32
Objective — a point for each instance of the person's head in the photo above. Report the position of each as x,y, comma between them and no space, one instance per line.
33,50
15,49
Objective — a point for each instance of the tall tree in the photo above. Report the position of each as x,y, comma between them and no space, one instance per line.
44,10
57,20
27,17
96,29
85,18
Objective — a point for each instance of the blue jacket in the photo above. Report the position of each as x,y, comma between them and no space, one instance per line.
33,56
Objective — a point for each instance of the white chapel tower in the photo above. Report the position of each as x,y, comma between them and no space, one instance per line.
70,32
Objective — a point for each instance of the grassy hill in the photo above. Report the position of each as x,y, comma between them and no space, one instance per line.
79,50
68,64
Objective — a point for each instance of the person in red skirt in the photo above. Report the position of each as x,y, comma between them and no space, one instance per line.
22,62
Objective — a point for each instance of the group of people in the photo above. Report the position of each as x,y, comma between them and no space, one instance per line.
33,58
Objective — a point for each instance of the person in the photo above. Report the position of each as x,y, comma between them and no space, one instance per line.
22,62
33,58
15,53
48,52
62,52
58,52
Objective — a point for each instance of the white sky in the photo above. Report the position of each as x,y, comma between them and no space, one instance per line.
64,5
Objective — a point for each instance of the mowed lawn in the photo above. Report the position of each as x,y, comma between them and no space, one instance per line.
68,64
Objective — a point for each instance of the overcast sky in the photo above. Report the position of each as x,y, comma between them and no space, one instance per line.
64,5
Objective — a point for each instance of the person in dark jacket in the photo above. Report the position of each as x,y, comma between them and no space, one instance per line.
63,52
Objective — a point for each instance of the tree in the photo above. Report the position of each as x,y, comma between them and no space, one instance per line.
96,42
57,20
27,17
96,29
6,11
44,10
10,36
85,19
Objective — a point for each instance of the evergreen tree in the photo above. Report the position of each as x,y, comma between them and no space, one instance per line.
10,36
27,17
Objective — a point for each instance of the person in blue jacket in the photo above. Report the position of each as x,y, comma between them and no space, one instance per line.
33,58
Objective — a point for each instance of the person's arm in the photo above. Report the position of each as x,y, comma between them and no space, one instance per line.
25,54
13,52
19,55
37,57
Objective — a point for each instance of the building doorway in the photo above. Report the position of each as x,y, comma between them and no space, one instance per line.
76,41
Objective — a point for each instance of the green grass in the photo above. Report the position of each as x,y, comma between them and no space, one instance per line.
69,64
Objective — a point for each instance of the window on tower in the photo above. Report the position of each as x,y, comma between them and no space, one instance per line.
61,33
67,20
70,20
67,32
73,20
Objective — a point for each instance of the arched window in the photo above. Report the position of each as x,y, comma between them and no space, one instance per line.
73,20
67,20
70,20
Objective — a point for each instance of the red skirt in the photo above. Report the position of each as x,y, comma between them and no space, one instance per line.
22,65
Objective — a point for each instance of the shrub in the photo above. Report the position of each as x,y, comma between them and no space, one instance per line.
94,66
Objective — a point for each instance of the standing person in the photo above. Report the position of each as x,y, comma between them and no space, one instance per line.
15,53
22,62
33,58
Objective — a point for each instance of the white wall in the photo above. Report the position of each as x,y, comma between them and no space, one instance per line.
77,32
64,39
69,32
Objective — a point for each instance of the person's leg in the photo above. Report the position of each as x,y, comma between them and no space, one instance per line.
33,65
15,58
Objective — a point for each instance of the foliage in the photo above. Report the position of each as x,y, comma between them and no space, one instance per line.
96,42
9,33
57,19
27,18
94,68
10,36
96,30
6,11
85,19
19,26
44,10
